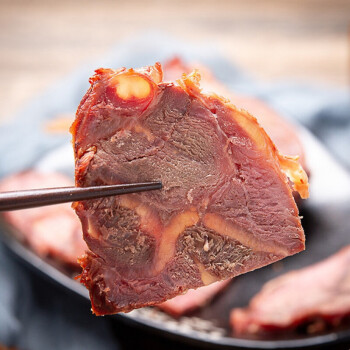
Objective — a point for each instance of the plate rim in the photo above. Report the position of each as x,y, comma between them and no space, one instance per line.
46,269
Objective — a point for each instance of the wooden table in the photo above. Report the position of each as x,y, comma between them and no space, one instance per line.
42,41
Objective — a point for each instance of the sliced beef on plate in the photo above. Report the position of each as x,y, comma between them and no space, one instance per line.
193,299
316,296
226,206
282,132
50,231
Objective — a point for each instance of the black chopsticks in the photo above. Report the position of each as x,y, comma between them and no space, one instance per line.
16,200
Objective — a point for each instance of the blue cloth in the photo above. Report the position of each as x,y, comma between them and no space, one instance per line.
36,315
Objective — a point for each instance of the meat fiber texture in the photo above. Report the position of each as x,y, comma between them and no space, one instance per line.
53,231
318,296
282,133
226,206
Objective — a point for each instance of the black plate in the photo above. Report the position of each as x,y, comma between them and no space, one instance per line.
326,225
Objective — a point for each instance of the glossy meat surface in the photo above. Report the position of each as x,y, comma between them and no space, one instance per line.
318,296
226,206
52,230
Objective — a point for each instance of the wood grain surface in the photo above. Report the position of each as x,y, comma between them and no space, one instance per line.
41,41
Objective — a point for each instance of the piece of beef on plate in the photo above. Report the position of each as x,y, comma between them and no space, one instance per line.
192,299
316,296
53,231
226,206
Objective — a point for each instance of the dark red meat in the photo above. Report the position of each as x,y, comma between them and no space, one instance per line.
282,133
50,231
226,206
318,296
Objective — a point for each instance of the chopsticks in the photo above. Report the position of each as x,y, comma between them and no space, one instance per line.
16,200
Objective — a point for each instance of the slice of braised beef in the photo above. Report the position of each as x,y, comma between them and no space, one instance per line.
52,231
227,203
192,299
314,297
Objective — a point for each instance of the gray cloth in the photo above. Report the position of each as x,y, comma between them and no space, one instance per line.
36,315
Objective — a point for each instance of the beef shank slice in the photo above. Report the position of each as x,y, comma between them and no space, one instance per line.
317,296
226,206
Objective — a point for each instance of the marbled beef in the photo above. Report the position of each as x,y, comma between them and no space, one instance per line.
227,203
